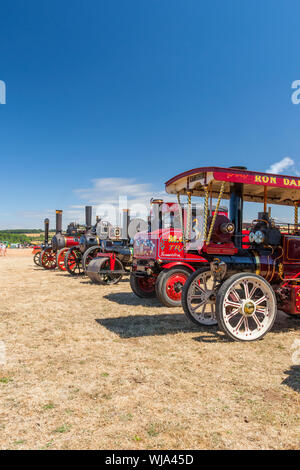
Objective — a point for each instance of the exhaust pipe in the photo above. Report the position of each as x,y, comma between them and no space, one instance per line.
88,216
58,221
126,220
46,222
236,208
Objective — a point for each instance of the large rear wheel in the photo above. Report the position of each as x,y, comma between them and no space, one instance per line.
73,262
169,285
89,255
48,258
199,298
60,259
143,287
37,258
246,307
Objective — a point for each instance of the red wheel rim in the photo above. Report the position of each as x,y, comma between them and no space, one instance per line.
71,261
147,284
75,262
61,260
49,259
175,284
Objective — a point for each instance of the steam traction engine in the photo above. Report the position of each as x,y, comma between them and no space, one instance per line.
51,256
162,263
91,244
73,257
242,286
108,262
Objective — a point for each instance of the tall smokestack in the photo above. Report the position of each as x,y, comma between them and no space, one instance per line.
59,221
88,216
46,222
236,208
125,224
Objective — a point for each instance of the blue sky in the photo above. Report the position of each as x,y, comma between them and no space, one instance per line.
105,95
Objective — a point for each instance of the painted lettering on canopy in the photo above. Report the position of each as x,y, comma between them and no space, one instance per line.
277,180
266,179
258,179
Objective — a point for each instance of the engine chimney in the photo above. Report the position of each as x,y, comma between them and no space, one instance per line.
88,216
59,221
126,220
46,222
236,209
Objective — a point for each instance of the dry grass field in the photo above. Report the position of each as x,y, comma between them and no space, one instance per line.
38,237
97,368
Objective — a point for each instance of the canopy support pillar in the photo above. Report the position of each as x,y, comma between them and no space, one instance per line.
236,212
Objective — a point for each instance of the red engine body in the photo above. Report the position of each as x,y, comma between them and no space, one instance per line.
164,248
71,241
295,297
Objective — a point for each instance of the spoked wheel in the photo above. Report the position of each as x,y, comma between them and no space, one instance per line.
48,258
143,287
73,262
89,255
37,258
109,278
199,297
169,285
60,259
246,307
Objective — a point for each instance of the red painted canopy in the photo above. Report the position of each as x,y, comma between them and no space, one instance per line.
281,189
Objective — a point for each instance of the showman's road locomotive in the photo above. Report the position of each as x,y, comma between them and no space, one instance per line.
162,263
73,255
242,286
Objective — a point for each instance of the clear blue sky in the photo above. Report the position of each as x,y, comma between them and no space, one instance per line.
140,90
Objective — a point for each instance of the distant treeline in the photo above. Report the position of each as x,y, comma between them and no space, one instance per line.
23,230
10,237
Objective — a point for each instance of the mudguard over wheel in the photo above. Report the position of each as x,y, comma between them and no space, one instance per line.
143,287
169,285
198,298
89,255
246,307
60,259
48,258
73,262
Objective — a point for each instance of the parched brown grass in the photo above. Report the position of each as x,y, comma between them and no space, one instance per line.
95,367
